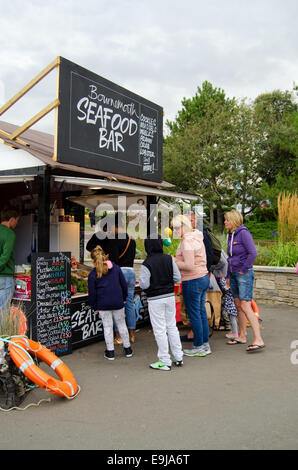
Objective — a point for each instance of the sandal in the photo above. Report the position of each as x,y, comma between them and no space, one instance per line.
118,341
236,341
255,347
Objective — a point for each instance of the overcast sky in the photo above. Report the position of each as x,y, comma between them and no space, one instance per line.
160,49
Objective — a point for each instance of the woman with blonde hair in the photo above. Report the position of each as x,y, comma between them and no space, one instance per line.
107,289
241,255
191,261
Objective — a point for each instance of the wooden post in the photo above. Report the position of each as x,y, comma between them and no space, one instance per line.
30,85
152,215
43,241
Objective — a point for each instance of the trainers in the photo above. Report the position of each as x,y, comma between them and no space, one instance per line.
195,352
159,365
110,355
128,352
207,349
178,363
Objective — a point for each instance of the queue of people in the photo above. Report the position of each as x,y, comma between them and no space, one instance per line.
111,285
158,275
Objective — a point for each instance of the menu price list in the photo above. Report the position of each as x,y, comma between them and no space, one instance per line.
51,292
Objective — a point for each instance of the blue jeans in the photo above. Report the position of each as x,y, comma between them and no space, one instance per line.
130,315
194,296
6,291
242,285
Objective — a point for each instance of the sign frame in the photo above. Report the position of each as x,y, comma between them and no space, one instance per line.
103,126
51,322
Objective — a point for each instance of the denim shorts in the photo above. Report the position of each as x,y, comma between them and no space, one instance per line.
242,285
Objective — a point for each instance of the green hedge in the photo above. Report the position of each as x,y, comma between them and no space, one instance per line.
262,230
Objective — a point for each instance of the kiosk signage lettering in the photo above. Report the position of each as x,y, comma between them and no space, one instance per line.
51,293
106,127
85,323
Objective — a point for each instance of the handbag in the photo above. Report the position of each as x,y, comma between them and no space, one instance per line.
126,248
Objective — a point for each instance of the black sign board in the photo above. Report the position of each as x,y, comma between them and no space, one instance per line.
51,295
87,326
106,127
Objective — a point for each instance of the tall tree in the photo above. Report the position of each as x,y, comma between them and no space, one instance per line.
195,157
278,167
277,111
199,105
249,138
214,148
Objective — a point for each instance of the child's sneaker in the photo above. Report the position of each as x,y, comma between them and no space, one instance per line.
128,352
159,365
110,355
195,352
178,363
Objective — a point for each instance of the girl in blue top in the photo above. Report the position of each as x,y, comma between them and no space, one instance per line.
107,289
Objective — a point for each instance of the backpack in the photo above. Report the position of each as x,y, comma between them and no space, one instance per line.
216,245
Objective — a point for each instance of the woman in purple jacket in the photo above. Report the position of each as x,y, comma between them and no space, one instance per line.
241,255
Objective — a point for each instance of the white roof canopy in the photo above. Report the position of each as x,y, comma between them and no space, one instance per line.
14,159
124,187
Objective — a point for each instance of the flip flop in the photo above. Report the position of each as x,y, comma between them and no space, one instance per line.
235,341
254,348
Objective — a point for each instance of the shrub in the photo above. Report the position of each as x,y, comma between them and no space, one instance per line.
284,254
262,230
265,214
287,217
10,323
263,258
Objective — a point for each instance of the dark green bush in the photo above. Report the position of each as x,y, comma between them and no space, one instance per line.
262,230
265,214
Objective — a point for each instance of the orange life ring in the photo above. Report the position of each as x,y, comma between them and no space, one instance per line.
255,309
66,387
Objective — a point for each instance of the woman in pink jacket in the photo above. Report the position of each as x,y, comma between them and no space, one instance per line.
191,261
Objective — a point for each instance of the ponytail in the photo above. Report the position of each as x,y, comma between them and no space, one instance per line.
99,257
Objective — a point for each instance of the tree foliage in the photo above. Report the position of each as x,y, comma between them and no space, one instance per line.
213,149
198,106
278,111
230,152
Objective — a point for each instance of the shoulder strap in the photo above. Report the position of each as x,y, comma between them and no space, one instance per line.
126,248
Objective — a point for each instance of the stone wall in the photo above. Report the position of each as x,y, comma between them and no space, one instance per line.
273,285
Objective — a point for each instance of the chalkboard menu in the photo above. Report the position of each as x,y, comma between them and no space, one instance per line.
51,295
106,127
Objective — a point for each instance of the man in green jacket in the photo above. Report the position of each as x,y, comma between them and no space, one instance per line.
9,221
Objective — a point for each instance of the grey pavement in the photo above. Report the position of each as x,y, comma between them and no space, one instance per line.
229,400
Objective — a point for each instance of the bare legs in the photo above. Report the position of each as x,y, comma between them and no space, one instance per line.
245,312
